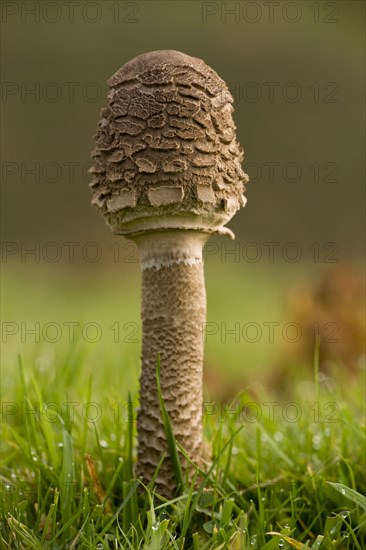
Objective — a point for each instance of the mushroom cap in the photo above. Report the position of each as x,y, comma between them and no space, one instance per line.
166,154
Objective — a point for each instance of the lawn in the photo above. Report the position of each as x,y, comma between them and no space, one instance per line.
288,462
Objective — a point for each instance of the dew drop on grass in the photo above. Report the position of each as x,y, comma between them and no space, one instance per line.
253,541
278,436
103,443
60,444
234,451
281,543
345,513
155,527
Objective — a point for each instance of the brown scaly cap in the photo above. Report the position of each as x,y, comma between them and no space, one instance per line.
166,154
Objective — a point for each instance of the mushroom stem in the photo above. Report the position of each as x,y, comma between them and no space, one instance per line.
173,320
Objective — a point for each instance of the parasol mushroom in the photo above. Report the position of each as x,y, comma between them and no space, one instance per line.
167,175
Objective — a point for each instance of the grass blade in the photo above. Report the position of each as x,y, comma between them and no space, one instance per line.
67,476
173,452
351,494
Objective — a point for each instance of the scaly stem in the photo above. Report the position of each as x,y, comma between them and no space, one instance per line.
173,319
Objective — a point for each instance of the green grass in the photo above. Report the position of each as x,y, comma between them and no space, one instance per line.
293,478
288,464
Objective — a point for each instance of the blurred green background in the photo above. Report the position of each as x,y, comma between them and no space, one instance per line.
296,71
